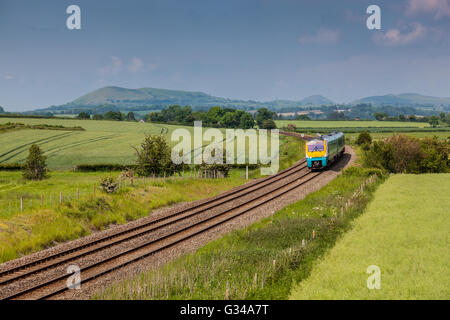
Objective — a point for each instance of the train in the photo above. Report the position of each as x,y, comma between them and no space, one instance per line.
322,151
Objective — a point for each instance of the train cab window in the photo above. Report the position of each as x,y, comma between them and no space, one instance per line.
315,147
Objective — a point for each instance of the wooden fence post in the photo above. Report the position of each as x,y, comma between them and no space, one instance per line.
21,203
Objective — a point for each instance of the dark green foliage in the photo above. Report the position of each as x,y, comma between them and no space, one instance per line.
130,116
336,116
154,157
112,115
11,166
98,117
436,154
303,117
364,138
214,117
35,167
103,167
405,154
264,114
434,121
83,115
268,124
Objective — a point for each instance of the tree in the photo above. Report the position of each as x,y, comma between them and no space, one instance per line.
83,115
268,124
35,167
378,116
401,117
303,117
97,117
264,114
364,138
246,121
130,116
112,115
2,110
153,156
433,121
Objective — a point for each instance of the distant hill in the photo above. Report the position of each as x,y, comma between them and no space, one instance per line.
316,100
405,99
152,98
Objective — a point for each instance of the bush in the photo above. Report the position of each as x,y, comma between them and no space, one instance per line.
109,185
11,166
364,138
35,167
404,154
103,167
154,157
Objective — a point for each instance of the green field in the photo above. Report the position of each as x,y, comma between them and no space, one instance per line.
350,124
404,232
102,142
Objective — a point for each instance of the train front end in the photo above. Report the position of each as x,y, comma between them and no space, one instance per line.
316,154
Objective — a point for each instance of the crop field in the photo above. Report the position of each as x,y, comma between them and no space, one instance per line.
102,142
348,124
404,232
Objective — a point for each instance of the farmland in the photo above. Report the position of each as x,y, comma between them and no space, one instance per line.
404,232
101,142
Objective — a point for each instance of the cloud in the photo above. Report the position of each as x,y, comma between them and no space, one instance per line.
114,67
395,37
8,77
440,8
322,36
136,65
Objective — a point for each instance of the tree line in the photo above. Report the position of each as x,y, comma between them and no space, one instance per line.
215,117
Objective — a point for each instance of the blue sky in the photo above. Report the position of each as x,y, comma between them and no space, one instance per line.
243,49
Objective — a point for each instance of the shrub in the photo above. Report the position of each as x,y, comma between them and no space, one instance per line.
35,167
291,127
11,166
154,157
364,138
268,124
109,185
404,154
103,167
436,155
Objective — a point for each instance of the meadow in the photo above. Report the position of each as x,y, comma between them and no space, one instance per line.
404,232
261,261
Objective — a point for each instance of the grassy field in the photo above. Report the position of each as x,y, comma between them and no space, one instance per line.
383,135
260,261
101,142
404,232
348,124
45,221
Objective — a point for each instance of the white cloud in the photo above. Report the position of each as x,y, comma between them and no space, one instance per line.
439,8
8,77
323,36
395,37
114,67
136,65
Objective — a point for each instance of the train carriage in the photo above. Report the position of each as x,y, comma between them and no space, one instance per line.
324,150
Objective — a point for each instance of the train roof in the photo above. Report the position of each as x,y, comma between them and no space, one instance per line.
331,136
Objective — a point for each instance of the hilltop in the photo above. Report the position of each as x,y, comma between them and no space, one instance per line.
405,99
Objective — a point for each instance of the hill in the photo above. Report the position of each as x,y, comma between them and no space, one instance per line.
405,99
145,99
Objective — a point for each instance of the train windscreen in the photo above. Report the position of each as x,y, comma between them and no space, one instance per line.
318,146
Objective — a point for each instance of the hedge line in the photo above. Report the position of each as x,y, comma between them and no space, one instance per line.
11,166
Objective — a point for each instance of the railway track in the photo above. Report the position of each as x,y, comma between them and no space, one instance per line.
197,219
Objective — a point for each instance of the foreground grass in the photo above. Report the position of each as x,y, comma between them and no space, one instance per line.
263,260
404,232
41,227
